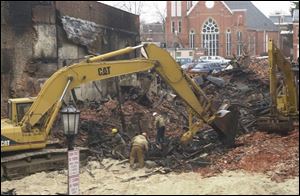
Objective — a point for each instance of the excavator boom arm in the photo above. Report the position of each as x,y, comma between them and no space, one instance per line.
48,100
158,59
80,73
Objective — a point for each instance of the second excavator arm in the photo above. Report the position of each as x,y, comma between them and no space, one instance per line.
283,95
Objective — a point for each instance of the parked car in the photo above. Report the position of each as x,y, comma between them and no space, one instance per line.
188,66
215,59
201,68
216,67
207,67
183,60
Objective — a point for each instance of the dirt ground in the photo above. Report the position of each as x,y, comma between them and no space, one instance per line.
270,154
102,178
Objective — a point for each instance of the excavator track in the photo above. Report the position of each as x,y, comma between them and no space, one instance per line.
278,124
24,164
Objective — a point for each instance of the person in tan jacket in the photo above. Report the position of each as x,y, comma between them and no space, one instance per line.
139,146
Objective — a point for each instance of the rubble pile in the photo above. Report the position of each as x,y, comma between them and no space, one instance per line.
137,117
242,87
247,88
271,154
261,68
97,120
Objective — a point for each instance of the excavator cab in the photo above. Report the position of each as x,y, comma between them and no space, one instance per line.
18,107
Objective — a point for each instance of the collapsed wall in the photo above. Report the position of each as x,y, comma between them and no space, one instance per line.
38,38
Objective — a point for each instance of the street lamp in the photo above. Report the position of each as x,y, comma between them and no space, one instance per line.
70,118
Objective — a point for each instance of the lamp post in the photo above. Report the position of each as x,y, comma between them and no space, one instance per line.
70,118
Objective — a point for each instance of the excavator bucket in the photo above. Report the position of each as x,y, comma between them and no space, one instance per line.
226,124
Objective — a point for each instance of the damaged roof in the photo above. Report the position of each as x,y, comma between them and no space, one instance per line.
100,14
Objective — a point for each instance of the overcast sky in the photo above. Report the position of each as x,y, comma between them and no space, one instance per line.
150,8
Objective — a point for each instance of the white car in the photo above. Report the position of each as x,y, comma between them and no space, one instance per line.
214,59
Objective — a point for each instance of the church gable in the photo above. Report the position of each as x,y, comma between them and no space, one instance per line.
208,7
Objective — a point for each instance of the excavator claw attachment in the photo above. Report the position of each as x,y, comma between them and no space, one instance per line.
226,124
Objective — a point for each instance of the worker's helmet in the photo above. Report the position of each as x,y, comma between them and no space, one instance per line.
154,114
144,134
114,131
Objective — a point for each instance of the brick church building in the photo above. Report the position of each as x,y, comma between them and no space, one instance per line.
224,28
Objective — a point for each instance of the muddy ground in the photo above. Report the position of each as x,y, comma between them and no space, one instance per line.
261,163
258,163
120,179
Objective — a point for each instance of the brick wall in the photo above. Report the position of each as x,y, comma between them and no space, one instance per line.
34,44
233,20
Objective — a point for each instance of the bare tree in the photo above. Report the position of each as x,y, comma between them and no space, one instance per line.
134,7
162,13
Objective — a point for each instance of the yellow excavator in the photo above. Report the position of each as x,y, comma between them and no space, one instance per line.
283,93
30,119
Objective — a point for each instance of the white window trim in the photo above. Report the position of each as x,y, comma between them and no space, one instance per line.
189,4
210,40
192,39
179,22
178,8
173,26
173,8
228,43
239,43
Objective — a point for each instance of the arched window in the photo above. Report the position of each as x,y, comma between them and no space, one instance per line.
210,37
228,43
192,39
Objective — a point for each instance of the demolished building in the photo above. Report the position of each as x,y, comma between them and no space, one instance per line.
38,38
